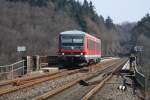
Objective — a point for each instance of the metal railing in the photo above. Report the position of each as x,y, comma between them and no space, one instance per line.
12,71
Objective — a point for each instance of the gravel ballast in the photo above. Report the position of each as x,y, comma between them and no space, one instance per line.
111,91
36,90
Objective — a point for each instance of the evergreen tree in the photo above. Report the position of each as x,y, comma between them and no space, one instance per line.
101,18
143,26
85,7
91,7
61,4
39,3
85,4
18,0
109,23
78,14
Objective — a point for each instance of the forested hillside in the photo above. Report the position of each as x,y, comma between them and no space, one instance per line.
37,23
141,37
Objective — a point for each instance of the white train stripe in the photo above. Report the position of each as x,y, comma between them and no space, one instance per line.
92,56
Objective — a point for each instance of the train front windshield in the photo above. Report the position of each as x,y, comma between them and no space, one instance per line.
72,42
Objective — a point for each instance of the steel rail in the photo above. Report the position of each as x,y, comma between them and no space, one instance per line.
7,82
65,73
102,83
22,79
66,86
28,82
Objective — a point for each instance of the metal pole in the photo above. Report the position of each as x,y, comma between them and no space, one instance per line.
23,67
12,72
28,64
37,64
133,86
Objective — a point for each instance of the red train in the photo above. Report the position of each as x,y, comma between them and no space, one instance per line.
79,47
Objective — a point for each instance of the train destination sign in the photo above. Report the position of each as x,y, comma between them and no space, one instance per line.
21,48
139,48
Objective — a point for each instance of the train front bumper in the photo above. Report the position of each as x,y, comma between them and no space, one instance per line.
75,59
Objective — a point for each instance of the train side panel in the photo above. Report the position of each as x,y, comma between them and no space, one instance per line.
92,49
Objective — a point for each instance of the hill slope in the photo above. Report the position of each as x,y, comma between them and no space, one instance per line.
37,23
141,37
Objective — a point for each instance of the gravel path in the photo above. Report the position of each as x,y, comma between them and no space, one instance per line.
111,92
31,92
73,93
77,91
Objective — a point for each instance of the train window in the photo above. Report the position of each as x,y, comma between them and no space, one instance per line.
66,40
91,44
72,42
98,46
77,40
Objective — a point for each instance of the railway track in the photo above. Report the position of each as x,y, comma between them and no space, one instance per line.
24,83
74,88
19,81
103,81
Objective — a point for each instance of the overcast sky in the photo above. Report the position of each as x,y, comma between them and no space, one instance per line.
122,10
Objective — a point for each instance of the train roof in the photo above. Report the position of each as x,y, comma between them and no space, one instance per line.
73,32
79,33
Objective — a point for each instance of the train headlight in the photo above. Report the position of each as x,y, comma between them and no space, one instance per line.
81,53
63,53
